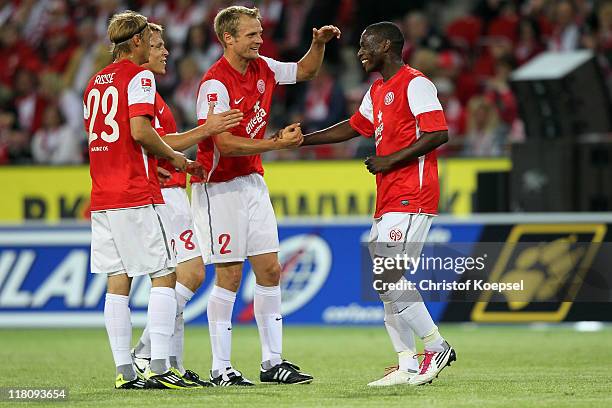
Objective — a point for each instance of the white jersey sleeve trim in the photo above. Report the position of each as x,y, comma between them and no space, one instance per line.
141,88
285,73
422,96
212,89
366,108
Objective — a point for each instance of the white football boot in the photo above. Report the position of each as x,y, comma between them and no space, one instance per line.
433,362
393,376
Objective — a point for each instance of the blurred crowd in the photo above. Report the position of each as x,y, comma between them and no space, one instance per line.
468,48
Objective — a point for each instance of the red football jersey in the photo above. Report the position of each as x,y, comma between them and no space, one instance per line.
396,111
252,94
119,166
165,124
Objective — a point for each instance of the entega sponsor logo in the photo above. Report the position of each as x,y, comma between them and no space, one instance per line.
257,122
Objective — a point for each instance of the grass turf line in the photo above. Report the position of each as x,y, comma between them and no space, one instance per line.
498,366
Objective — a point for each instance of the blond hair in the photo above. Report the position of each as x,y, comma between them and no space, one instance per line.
122,27
226,21
156,28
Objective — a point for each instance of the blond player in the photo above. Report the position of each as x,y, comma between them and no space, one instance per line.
190,268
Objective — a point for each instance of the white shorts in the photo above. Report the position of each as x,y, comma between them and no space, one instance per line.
398,233
234,219
132,241
177,214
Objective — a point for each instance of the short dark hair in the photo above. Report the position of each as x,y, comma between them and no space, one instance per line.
388,31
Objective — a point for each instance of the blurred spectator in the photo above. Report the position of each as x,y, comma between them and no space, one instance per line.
566,33
105,9
17,54
485,136
419,33
271,12
29,103
8,123
155,10
495,49
185,93
88,57
453,112
324,103
55,142
202,48
529,42
69,103
498,91
14,143
182,15
291,27
426,61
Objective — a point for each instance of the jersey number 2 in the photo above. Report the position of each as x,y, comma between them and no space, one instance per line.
109,109
224,240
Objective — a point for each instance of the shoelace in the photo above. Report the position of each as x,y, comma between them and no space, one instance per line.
390,369
290,364
424,365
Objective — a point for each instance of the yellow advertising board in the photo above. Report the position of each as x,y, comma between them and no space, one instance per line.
321,188
44,193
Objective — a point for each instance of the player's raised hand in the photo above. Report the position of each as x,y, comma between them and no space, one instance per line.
291,136
179,161
378,164
220,122
324,34
195,169
163,176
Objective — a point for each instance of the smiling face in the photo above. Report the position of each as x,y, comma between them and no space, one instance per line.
248,39
371,52
158,55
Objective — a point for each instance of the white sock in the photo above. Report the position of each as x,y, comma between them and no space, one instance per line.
219,310
418,317
160,319
410,308
183,295
267,308
119,327
402,338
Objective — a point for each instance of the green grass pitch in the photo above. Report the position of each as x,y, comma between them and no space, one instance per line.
498,366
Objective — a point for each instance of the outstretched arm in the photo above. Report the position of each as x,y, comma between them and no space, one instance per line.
309,65
215,124
230,145
337,133
426,143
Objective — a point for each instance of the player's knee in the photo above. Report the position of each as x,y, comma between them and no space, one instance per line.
270,275
229,279
191,274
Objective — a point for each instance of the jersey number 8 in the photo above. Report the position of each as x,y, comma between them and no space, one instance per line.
108,108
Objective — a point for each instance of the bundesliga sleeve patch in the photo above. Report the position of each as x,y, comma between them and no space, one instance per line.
146,84
212,97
